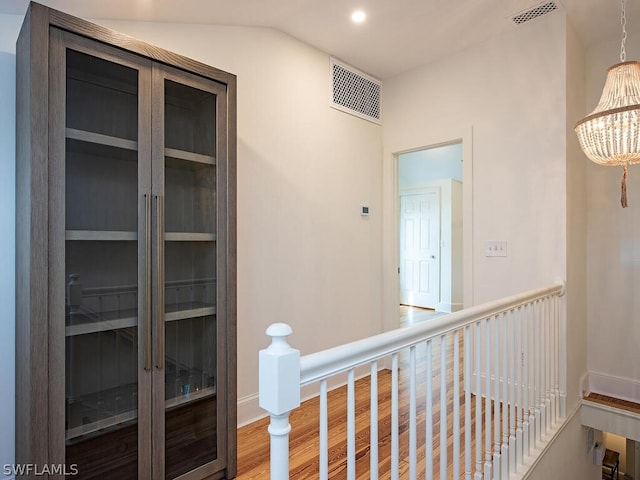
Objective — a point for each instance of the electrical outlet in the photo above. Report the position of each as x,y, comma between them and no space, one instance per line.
496,248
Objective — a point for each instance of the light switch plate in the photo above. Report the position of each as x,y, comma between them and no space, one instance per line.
496,248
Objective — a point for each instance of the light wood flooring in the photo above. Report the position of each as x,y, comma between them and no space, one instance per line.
613,402
253,440
411,315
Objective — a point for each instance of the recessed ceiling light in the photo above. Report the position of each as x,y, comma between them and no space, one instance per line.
358,16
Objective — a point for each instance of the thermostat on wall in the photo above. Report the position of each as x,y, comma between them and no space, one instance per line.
364,210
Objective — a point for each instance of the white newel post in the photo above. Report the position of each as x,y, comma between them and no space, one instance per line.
279,391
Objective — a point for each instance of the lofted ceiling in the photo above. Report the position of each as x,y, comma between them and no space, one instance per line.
398,35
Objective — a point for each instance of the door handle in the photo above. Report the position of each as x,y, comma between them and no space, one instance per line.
433,257
160,277
147,280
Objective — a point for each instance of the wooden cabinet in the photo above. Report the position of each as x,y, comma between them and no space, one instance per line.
126,336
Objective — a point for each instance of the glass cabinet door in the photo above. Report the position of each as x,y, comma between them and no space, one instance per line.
191,330
102,274
143,350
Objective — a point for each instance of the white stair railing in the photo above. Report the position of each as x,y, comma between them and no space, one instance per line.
513,353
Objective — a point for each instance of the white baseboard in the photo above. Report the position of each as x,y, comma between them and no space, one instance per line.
618,387
249,410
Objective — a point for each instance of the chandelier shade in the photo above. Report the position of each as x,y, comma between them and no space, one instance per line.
610,135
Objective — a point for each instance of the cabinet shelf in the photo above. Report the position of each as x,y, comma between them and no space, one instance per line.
115,236
113,421
100,235
92,412
189,237
124,417
183,312
100,139
109,321
190,397
174,153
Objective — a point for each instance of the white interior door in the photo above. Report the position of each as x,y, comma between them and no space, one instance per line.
420,248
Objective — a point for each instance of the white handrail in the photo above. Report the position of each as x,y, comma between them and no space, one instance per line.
332,361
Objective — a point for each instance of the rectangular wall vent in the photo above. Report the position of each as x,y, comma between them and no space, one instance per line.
355,92
534,12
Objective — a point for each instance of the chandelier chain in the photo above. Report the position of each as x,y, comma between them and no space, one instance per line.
623,22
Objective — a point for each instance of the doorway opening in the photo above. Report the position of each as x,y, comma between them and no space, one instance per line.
430,187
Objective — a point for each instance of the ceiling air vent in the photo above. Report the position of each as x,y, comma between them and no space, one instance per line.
534,12
355,92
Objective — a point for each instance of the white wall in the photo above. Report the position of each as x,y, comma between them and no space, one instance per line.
576,219
613,254
527,180
9,26
570,457
305,255
510,91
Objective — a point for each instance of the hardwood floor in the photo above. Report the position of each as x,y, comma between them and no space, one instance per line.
411,315
613,402
253,440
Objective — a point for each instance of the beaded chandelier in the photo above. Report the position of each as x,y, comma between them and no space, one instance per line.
610,134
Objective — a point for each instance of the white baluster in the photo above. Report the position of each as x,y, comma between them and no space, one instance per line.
506,404
443,406
412,415
498,323
547,354
554,328
456,404
395,456
562,352
477,333
467,402
554,361
324,432
537,374
513,368
279,393
534,375
351,426
532,378
487,403
526,391
429,413
373,455
544,413
519,366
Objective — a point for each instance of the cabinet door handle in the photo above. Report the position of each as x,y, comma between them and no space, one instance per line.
147,280
160,292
